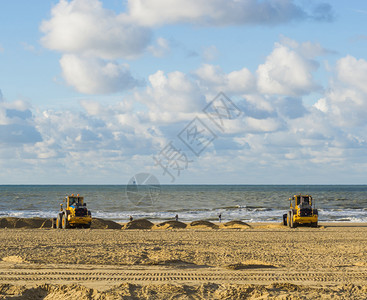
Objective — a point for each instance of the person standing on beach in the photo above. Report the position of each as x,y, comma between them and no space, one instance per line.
176,217
131,218
220,218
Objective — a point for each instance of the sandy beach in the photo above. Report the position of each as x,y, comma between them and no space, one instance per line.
203,261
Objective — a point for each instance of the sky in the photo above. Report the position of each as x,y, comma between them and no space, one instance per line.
189,91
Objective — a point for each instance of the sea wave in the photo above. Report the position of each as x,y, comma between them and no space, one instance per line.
257,215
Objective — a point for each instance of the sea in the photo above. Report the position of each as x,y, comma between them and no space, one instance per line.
249,203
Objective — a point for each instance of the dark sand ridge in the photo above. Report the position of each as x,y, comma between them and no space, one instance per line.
170,225
138,224
143,224
29,223
203,224
13,222
200,224
236,225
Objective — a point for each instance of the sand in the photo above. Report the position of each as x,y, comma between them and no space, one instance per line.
13,222
170,225
138,224
168,261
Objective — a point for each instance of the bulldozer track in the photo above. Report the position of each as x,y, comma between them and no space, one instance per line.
180,276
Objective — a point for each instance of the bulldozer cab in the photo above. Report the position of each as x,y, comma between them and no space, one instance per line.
74,201
300,200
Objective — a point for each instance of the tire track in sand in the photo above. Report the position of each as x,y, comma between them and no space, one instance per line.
182,276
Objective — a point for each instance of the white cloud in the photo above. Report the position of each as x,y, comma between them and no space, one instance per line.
261,105
352,72
210,53
322,105
221,12
161,48
345,102
17,126
14,112
287,72
171,97
85,27
91,38
264,125
211,75
76,137
308,50
82,29
94,76
239,81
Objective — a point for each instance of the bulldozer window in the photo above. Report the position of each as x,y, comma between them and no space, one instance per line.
73,201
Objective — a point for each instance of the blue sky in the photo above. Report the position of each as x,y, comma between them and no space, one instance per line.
92,91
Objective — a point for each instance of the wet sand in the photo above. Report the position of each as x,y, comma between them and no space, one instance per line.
197,262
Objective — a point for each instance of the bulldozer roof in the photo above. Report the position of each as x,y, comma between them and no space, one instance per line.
74,197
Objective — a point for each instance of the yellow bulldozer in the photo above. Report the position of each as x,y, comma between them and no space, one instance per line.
73,213
301,212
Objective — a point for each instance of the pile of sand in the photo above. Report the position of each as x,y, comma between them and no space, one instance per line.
138,224
236,225
203,224
12,222
104,224
251,264
170,225
181,291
